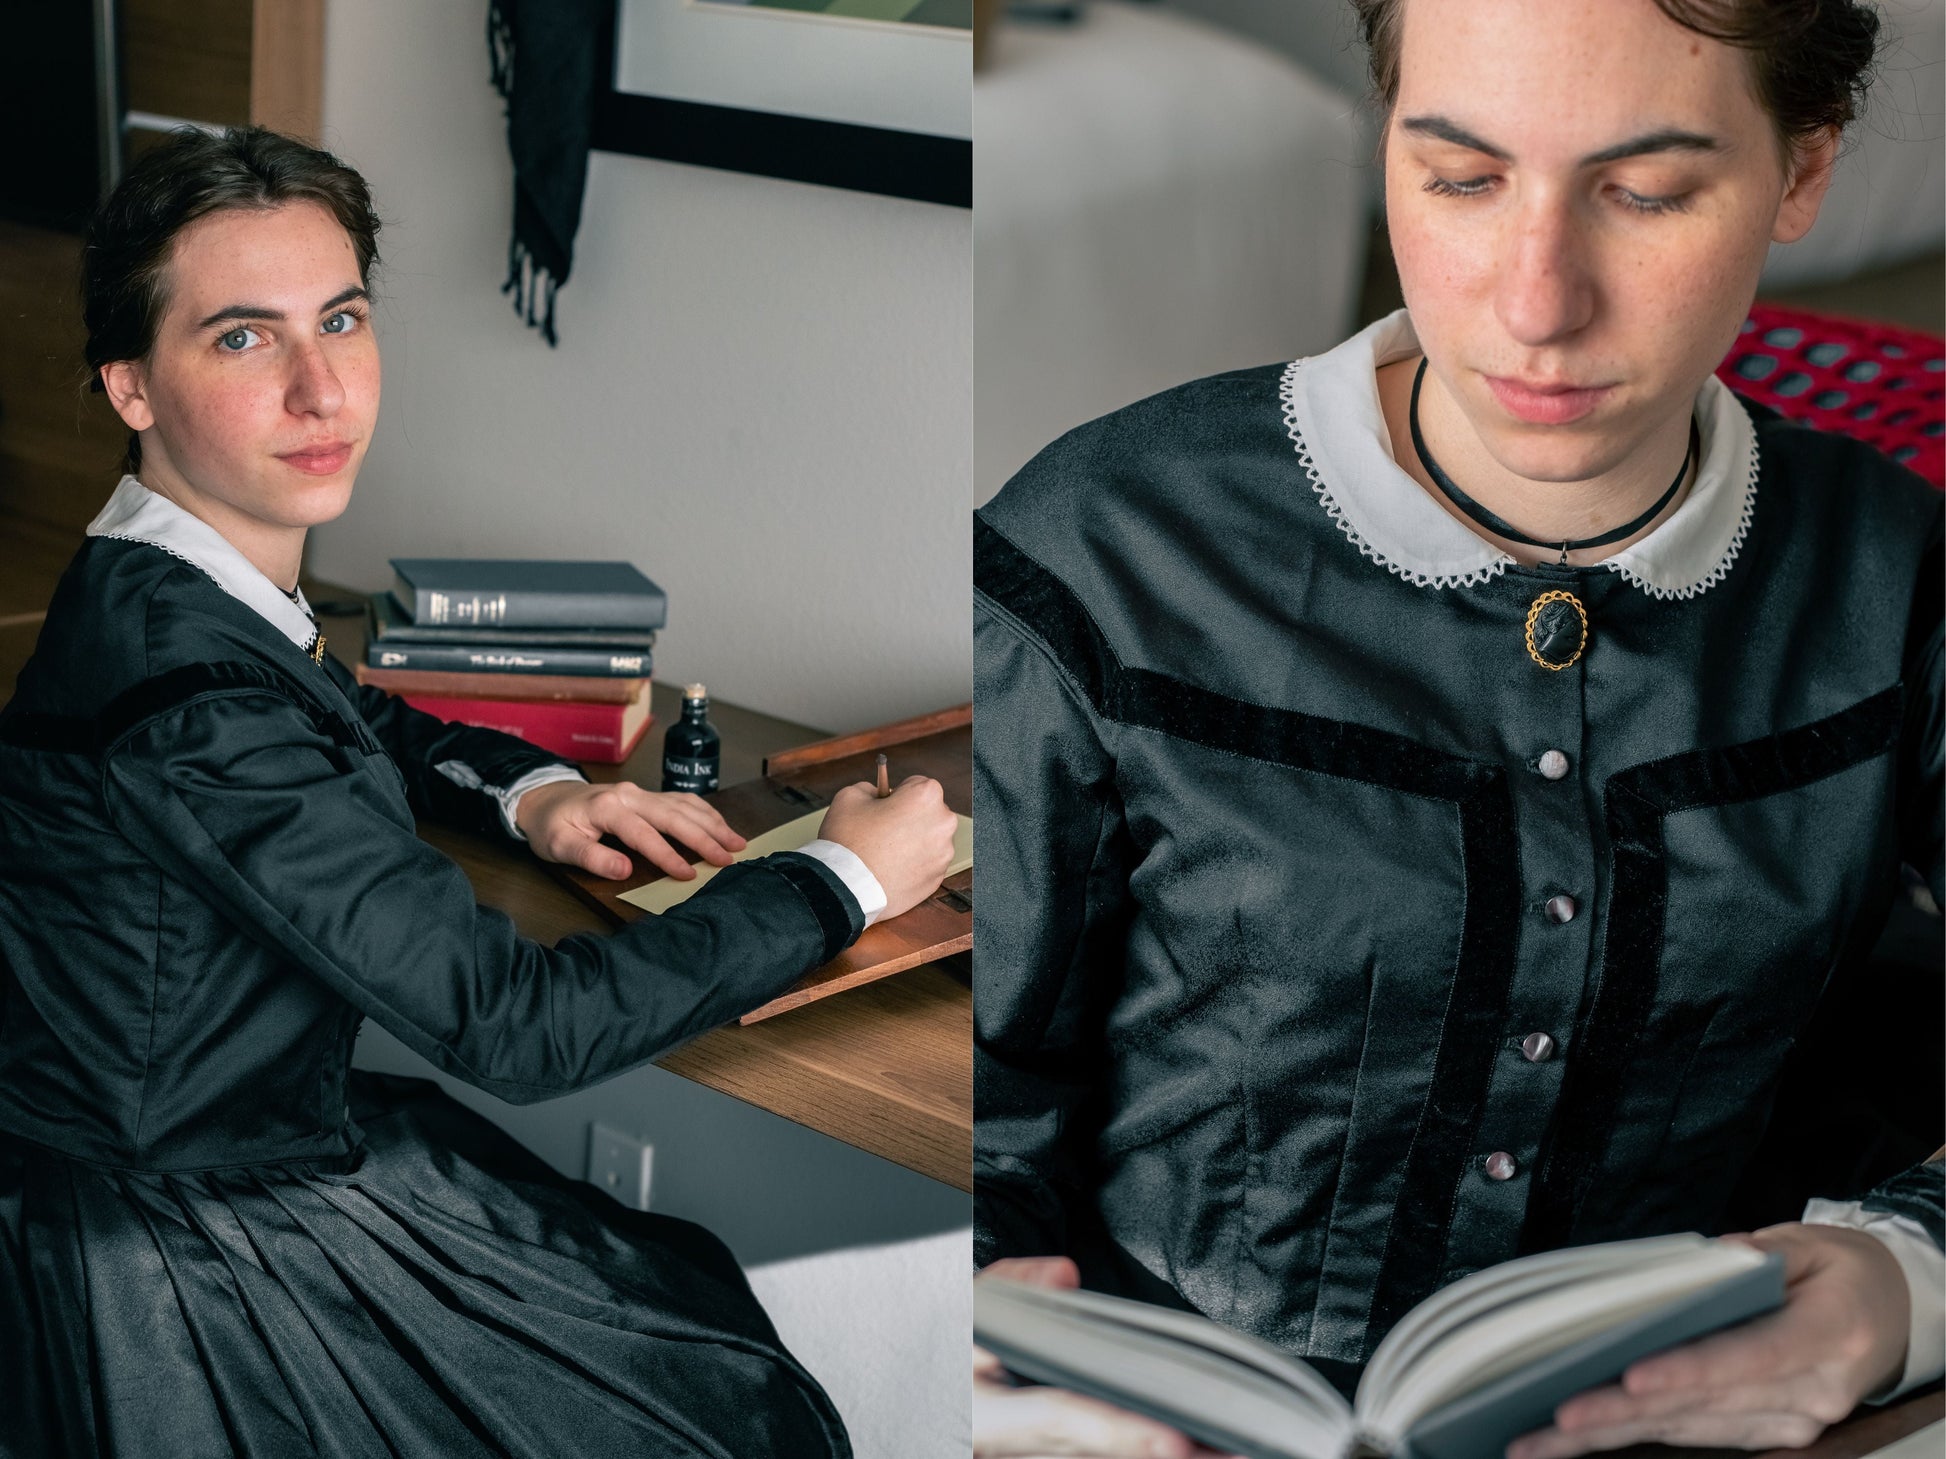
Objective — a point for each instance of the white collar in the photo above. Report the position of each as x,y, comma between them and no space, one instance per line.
137,514
1332,411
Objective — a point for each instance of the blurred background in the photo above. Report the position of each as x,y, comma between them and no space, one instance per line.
1164,189
761,397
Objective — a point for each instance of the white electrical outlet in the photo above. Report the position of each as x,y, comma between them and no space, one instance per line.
620,1164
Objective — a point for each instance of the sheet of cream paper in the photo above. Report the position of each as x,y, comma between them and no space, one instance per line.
660,896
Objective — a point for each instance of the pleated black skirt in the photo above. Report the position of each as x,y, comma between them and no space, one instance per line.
444,1293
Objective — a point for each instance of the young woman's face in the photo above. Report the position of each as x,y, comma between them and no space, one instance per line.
262,388
1580,194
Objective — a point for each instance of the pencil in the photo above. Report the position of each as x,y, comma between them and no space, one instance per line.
884,777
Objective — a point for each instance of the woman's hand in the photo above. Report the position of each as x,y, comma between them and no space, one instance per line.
1774,1382
1037,1423
905,840
565,821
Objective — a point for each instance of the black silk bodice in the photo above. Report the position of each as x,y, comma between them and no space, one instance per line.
1274,885
212,876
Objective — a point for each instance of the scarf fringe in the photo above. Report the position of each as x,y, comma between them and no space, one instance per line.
500,50
532,286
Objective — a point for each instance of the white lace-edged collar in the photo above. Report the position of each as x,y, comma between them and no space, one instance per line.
136,514
1391,519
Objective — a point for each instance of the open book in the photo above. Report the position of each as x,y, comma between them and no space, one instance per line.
1472,1367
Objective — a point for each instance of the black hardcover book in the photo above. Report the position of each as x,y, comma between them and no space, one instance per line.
391,622
604,661
461,592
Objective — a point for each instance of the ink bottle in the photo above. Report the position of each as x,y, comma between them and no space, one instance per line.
692,751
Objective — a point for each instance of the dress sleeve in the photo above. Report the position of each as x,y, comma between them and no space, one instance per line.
455,774
1919,1193
278,818
1922,779
1049,923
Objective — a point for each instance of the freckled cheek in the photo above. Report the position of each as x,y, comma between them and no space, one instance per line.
227,419
1442,268
1691,295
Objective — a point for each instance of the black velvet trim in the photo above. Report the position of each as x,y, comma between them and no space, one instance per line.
1441,1150
81,735
1044,604
1637,801
1919,1193
840,918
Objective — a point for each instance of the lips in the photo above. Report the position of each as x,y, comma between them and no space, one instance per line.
1546,405
323,459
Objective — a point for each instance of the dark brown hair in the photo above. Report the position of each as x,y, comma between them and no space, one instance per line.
1810,60
189,175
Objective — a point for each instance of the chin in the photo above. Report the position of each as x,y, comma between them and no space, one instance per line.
1556,454
318,502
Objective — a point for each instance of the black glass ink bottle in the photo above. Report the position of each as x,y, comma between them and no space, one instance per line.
692,751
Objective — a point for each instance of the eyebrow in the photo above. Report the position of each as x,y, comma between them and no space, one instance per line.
1668,139
257,311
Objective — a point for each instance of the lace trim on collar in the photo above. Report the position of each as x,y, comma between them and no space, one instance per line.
1287,393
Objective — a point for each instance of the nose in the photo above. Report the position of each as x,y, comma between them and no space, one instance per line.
1546,288
314,387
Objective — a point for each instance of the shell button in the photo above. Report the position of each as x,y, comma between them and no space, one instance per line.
1552,764
1561,908
1537,1048
1500,1166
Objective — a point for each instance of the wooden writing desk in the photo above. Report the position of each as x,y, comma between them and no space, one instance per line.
887,1067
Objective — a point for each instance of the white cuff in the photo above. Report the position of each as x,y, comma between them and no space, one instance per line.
856,876
507,797
1924,1265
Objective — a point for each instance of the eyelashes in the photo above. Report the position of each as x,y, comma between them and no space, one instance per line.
1472,187
1637,203
1634,202
238,339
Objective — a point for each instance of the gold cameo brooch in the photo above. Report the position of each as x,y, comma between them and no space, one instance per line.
1557,630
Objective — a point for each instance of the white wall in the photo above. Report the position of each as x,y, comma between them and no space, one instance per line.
762,395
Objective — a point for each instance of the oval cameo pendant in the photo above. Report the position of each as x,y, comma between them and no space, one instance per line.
1557,630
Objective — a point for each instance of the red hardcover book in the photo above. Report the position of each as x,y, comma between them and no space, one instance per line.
605,733
439,684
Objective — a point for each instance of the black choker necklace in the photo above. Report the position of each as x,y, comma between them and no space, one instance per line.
1499,526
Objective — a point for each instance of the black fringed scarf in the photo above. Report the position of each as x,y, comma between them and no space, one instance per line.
550,112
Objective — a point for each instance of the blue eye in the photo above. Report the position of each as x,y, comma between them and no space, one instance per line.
237,340
343,322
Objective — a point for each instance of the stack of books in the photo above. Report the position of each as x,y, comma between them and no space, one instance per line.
559,653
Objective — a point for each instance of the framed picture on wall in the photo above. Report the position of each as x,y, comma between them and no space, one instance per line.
872,95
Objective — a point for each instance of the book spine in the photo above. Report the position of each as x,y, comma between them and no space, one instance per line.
475,659
572,731
583,688
441,608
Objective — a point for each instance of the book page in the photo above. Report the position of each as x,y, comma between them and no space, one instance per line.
1495,1287
1472,1354
1168,1369
659,896
1193,1328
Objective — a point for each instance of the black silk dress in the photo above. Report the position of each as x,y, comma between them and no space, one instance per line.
215,1236
1307,889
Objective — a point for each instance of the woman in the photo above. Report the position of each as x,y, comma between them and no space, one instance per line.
1439,778
217,1238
